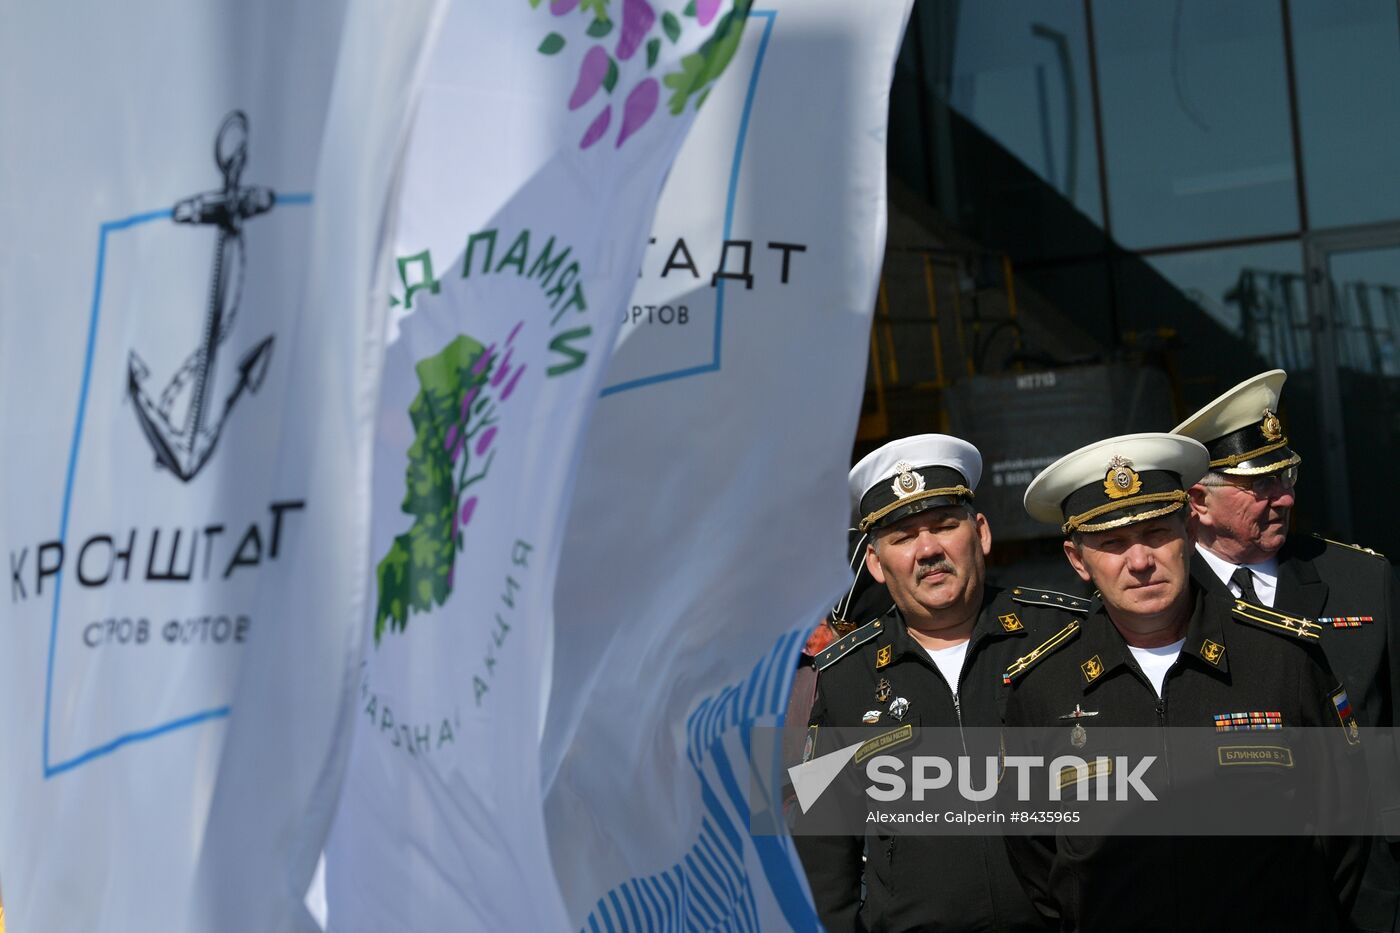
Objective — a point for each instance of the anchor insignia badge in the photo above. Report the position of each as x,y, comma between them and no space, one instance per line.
186,448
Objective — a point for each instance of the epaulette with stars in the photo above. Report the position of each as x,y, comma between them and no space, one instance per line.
1352,547
1276,622
846,644
1026,661
1033,597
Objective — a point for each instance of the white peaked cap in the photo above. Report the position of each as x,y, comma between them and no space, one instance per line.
912,474
1238,408
1152,472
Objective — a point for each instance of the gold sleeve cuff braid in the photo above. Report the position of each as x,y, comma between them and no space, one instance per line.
1079,522
875,516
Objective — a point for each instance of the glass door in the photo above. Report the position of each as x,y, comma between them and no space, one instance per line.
1354,304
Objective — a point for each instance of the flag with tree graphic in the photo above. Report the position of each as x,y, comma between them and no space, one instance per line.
455,419
642,28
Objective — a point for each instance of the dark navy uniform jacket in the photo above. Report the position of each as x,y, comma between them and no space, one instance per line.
917,881
1352,593
1236,660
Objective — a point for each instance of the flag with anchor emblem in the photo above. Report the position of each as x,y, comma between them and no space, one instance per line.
193,198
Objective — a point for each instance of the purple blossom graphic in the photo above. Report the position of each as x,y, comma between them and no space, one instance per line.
641,104
642,28
637,20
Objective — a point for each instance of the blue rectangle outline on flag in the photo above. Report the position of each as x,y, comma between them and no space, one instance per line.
714,364
139,735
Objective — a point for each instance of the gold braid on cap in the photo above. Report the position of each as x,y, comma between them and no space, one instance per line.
880,513
1176,497
1250,454
1268,468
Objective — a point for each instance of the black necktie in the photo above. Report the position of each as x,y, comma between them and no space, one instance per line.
1243,579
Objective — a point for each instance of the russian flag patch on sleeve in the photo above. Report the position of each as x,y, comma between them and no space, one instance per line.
1345,716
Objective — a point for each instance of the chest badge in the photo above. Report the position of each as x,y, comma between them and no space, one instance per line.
882,690
871,717
884,656
809,747
1248,721
1011,622
899,708
1345,621
1079,736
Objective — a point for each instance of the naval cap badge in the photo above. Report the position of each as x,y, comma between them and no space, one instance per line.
908,481
1121,479
1271,426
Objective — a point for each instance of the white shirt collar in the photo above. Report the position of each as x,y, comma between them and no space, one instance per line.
1265,574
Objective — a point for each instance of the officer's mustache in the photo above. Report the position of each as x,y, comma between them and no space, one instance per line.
940,566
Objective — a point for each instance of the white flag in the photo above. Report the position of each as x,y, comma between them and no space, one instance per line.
183,361
538,154
706,536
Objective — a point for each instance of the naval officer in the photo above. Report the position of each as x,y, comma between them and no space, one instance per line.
934,660
1157,651
1240,515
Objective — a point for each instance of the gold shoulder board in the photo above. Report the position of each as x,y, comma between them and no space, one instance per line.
1352,547
1266,618
1026,661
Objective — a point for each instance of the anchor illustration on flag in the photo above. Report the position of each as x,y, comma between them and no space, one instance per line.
185,449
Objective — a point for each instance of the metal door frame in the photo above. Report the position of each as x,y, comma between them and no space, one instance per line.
1318,248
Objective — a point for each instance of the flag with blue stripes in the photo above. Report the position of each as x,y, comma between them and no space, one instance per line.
706,535
729,879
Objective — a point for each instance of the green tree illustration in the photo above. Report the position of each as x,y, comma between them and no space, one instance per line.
454,423
702,68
